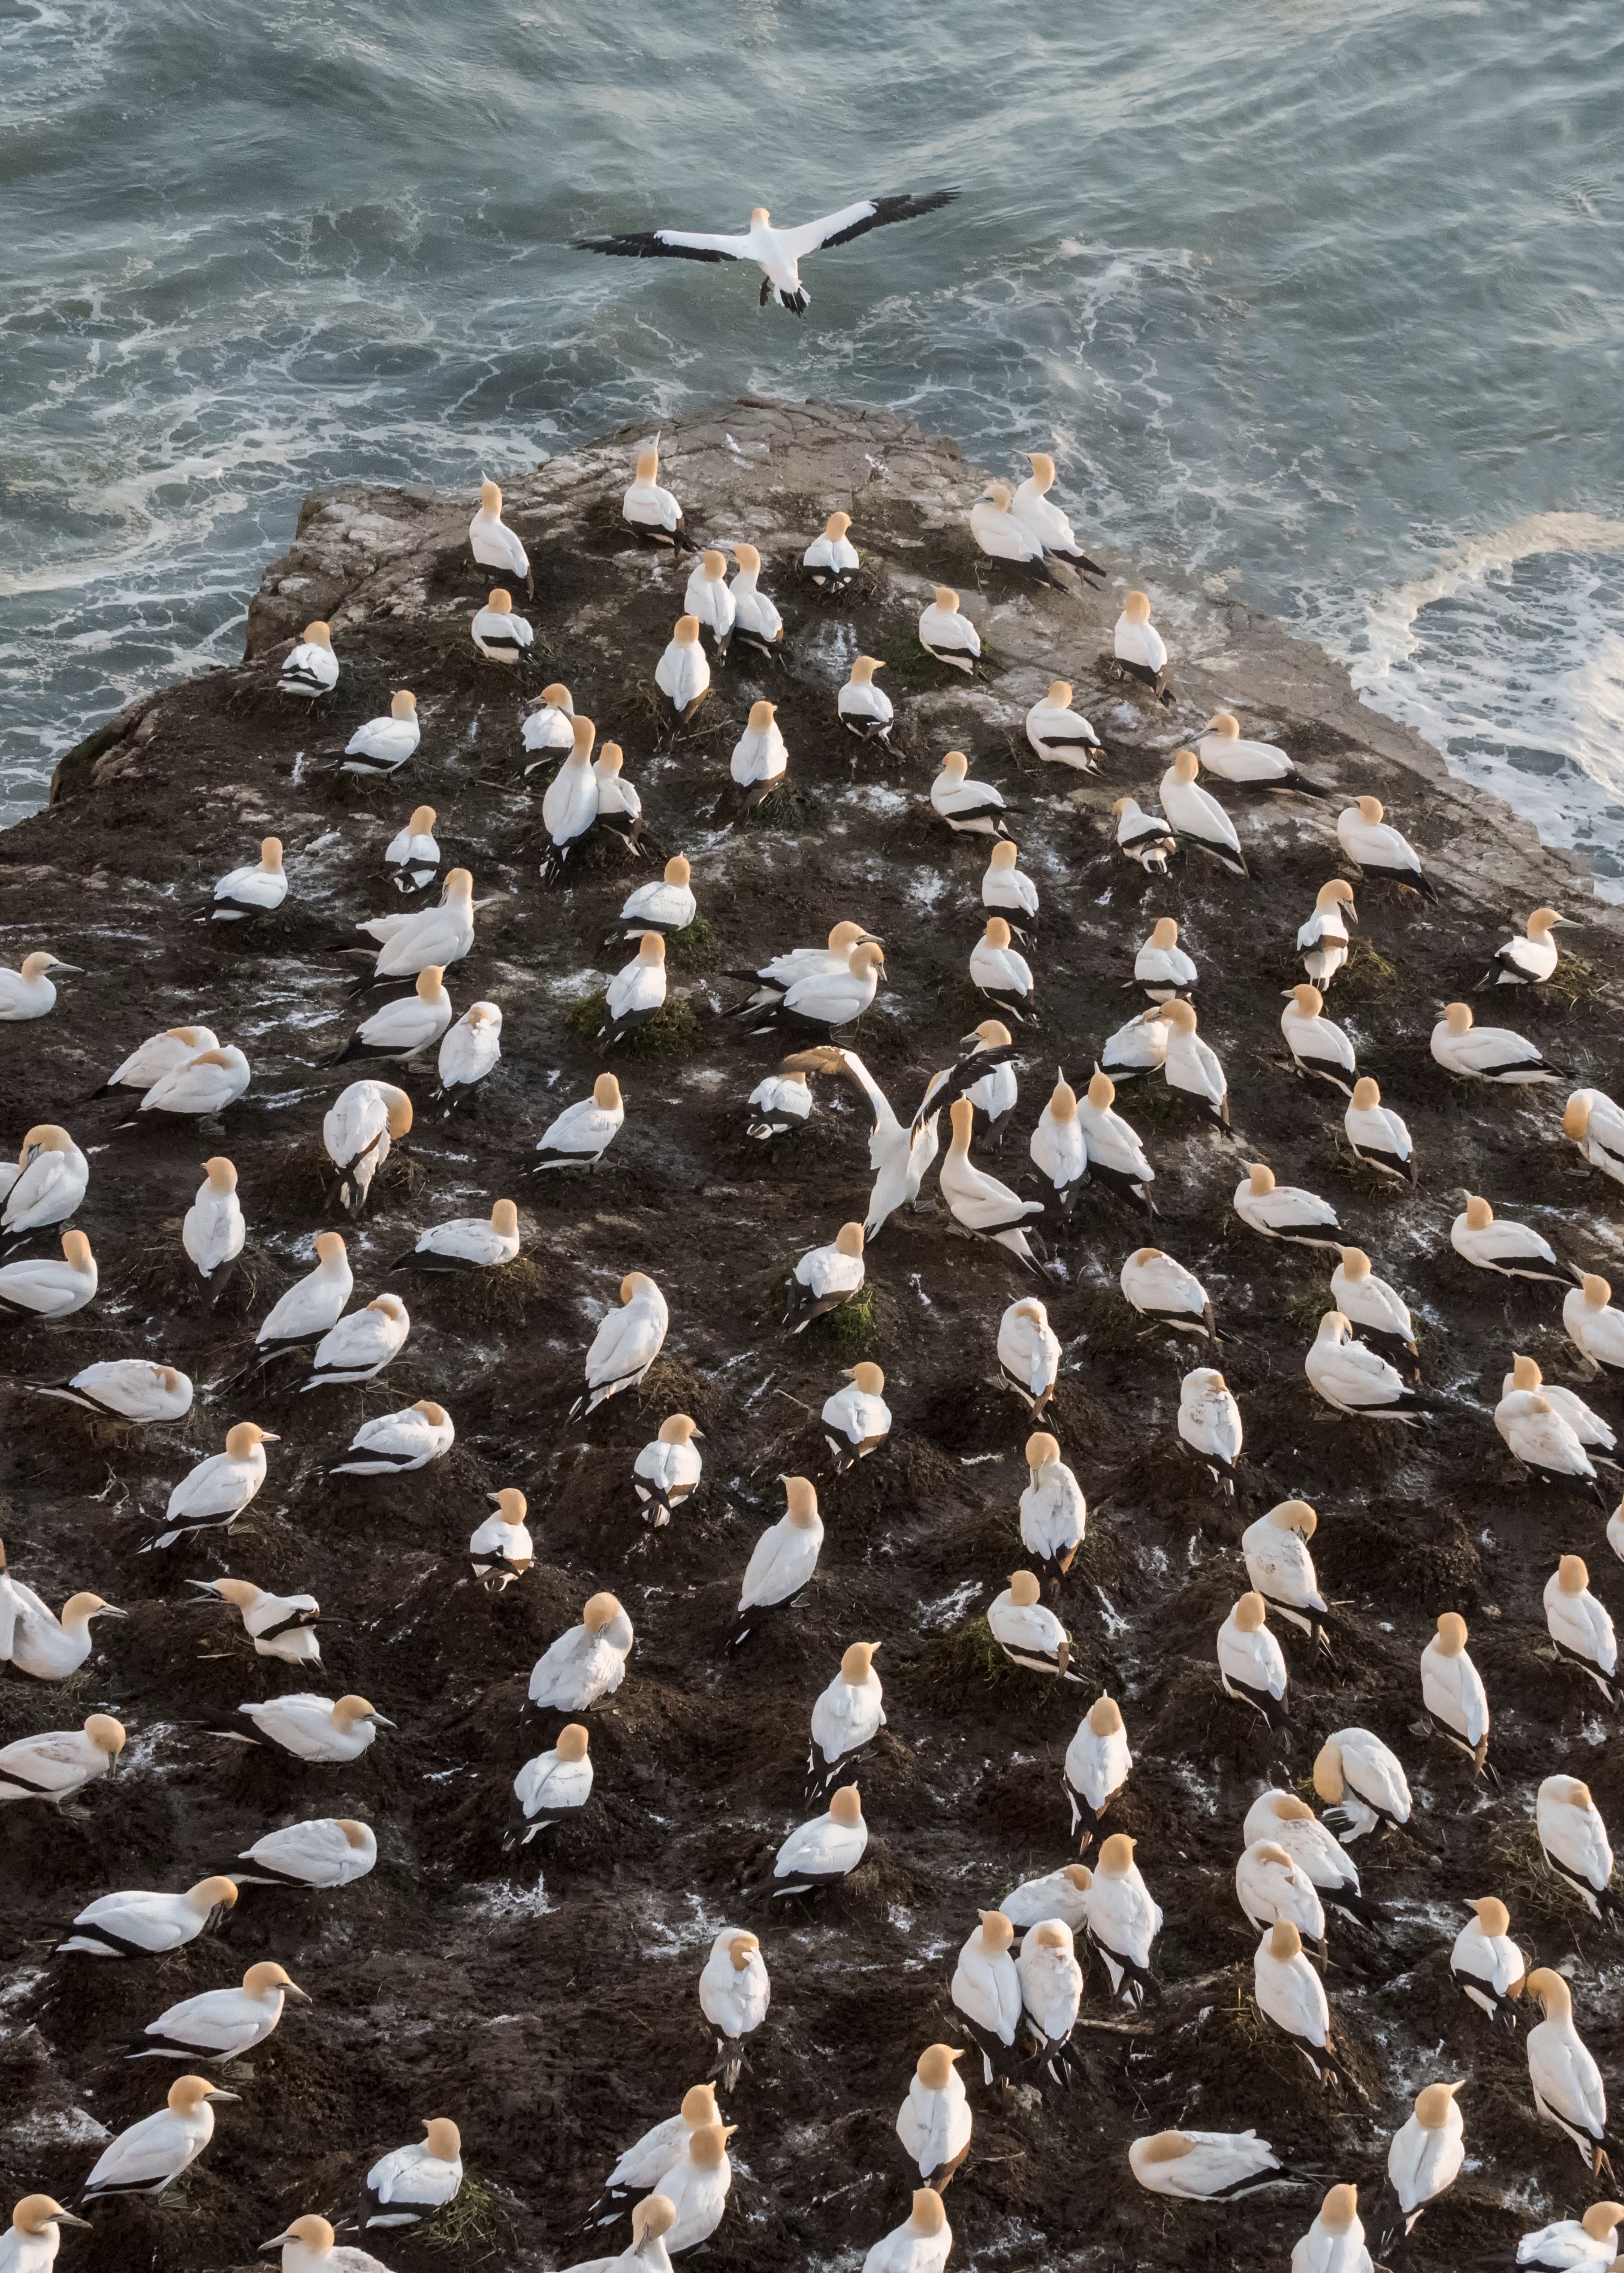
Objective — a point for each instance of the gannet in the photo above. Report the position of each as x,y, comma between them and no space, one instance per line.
221,2023
1324,937
1567,2088
683,674
977,1203
708,600
636,991
52,1178
46,1287
159,1054
586,1662
469,1050
899,1158
757,621
1001,972
1121,1919
1541,1438
620,808
668,1470
500,635
28,992
34,1641
31,2243
313,1303
651,2220
203,1088
1579,1626
970,808
1116,1157
1206,2166
362,1343
1026,1633
1046,522
397,1443
1320,1049
137,1924
1290,1992
1139,648
214,1493
500,1550
1528,960
646,2161
997,533
1488,1053
696,2187
382,745
310,2245
1335,2243
1028,1352
1362,1784
760,760
947,634
1594,1123
1058,1894
493,543
1196,816
1486,1963
61,1761
1192,1069
1378,1310
782,1561
1377,1135
985,1989
257,889
327,1851
831,561
1378,849
126,1389
1594,1328
1051,1990
1354,1378
278,1625
830,999
151,2154
441,935
1096,1767
985,1075
733,1996
1452,1695
412,854
863,709
1057,1147
847,1717
1284,1210
666,906
1282,1570
411,2183
1423,2162
1575,2245
1009,889
582,1133
825,1850
777,252
310,667
1251,1665
1291,1823
1162,967
933,2122
468,1242
773,980
1574,1840
1270,1886
548,728
1054,1514
214,1230
779,1102
552,1788
1160,1288
651,511
1495,1244
856,1420
626,1342
570,804
1141,837
358,1131
1209,1422
405,1028
1249,765
310,1727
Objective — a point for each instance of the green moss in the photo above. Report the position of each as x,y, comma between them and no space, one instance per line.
781,808
690,948
475,2225
966,1661
672,1032
849,1329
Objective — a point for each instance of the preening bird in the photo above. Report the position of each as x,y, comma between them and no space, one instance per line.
222,2024
1594,1123
825,1278
1574,1840
1009,889
549,725
1589,1320
1285,1210
1054,1514
569,802
1575,2245
1251,1666
502,1549
1116,1158
1161,966
28,992
158,1055
1486,1963
1143,838
500,635
1191,1069
137,1924
580,1136
49,1287
310,669
278,1625
780,1103
1354,1378
1488,1053
947,634
1026,1633
1320,1049
1046,522
124,1389
550,1788
1289,1823
1245,765
60,1761
1362,1784
1528,960
411,857
52,1178
1376,1134
442,935
863,709
977,1203
1058,1149
257,889
1163,1291
1567,2088
586,1662
856,1419
735,1993
1058,1894
1001,535
1001,972
397,1444
846,1718
1377,1309
1121,1918
214,1230
1282,1570
683,674
652,512
757,621
310,1727
933,2122
1423,2162
1452,1695
1196,816
469,1049
708,599
411,2183
326,1852
1097,1765
626,1342
1539,1436
635,993
1206,2166
823,1852
151,2154
493,543
696,2188
666,1471
1029,1354
1290,1992
1209,1422
1515,1250
831,561
777,252
1139,648
620,808
1051,1989
1580,1627
970,808
774,977
782,1561
1335,2243
1377,849
1271,1886
403,1028
760,760
214,1493
986,1990
383,745
1324,937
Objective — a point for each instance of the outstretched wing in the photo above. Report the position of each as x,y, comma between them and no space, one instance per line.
856,220
670,244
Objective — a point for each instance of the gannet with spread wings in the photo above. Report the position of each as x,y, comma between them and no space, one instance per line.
777,252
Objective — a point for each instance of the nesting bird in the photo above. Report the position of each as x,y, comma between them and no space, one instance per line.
1224,751
1488,1053
760,760
214,1493
550,1788
626,1342
411,857
500,635
1196,817
735,1993
1530,958
683,674
825,1278
757,621
1516,1250
1209,1422
1580,1627
1008,889
1567,2088
151,2154
1423,2160
1032,507
1029,1354
986,1990
1378,850
1054,1514
823,1852
1251,1666
382,745
52,1178
1589,1320
310,1727
569,802
1282,1570
1143,838
635,993
782,1561
856,1420
411,2183
1162,967
1452,1695
1097,1765
970,808
1060,734
549,725
1573,1840
278,1626
1026,1633
1204,2165
977,1203
933,2122
493,543
1486,1963
1058,1149
1320,1049
1323,939
397,1444
137,1925
1001,972
1290,1993
326,1852
442,935
651,511
1191,1069
310,668
1285,1210
500,1549
1139,649
947,634
124,1389
586,1662
1163,1291
1594,1123
666,1471
1377,1135
220,2024
1362,1784
831,561
1001,536
863,709
257,890
29,992
1122,1919
1353,1378
847,1717
1116,1158
47,1287
59,1762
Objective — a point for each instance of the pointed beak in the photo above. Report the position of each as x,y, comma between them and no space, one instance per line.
378,1722
69,966
111,1610
292,1989
66,2217
270,1437
235,2096
278,2241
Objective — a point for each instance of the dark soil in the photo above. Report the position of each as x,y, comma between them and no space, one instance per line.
555,2028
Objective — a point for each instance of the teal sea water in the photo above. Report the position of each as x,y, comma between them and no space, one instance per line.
1322,299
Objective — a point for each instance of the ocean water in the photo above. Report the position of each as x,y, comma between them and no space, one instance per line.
1323,299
